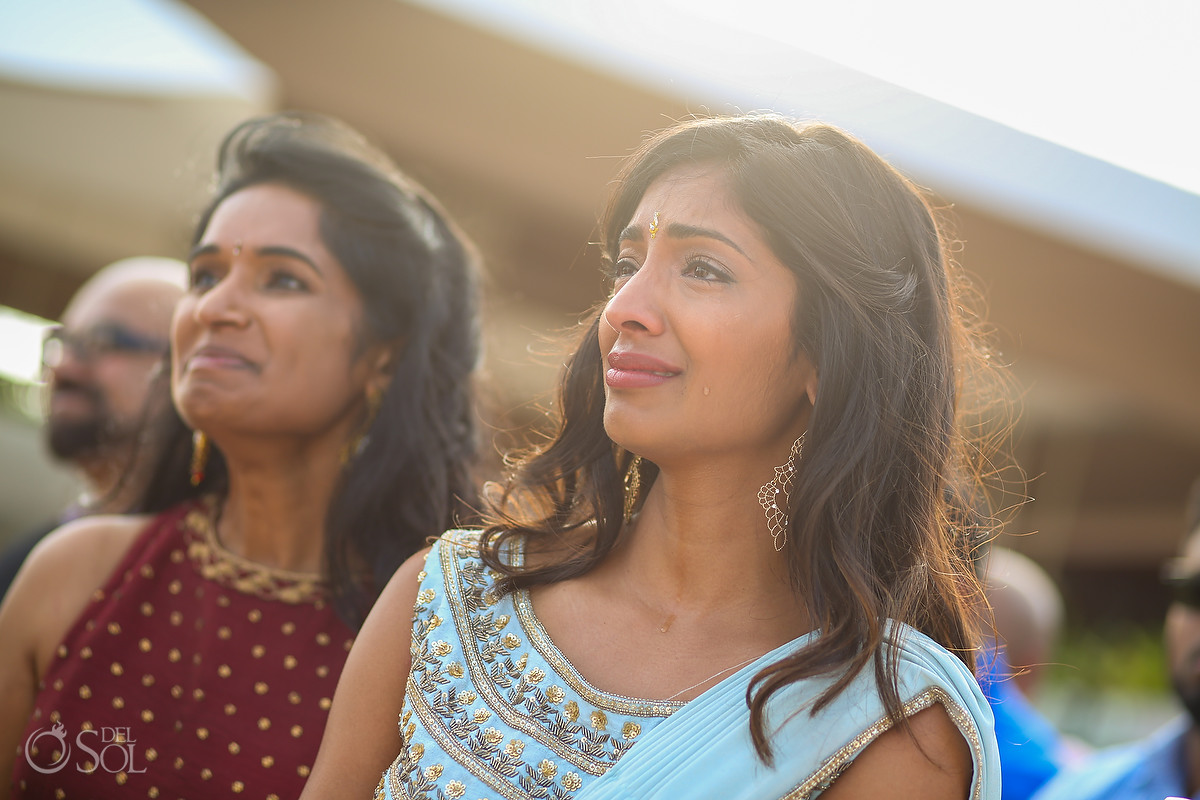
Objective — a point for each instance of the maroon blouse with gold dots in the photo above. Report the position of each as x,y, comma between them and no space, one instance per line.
191,673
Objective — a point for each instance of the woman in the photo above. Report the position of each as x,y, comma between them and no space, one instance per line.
323,358
734,570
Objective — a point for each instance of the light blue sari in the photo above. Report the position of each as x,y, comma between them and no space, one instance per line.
494,709
704,750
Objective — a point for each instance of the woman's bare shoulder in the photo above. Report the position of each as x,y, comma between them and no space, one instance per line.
61,574
928,759
88,546
400,594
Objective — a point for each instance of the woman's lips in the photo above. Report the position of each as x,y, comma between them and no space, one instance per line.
628,370
213,357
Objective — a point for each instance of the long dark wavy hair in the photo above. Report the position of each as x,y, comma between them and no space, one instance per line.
892,457
418,279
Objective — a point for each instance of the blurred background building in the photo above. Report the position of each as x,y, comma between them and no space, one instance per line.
1068,158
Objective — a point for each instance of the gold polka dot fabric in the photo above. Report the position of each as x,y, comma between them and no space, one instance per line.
493,709
191,673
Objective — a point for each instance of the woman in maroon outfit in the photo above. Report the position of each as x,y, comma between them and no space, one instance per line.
321,369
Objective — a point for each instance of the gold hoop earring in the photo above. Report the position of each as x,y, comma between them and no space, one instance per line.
199,457
358,443
775,494
633,487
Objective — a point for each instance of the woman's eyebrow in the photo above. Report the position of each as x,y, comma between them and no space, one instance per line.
679,230
202,250
269,250
288,252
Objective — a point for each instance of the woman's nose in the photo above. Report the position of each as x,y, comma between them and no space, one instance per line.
225,303
637,305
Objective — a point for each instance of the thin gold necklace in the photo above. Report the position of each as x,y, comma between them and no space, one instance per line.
714,675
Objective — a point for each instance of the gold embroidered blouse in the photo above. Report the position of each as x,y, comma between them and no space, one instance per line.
493,709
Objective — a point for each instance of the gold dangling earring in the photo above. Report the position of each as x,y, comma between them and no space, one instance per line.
199,457
354,448
633,486
775,493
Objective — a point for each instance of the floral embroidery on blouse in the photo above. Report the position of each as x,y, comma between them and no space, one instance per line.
492,708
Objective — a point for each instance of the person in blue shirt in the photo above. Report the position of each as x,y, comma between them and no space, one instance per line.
1167,763
1027,612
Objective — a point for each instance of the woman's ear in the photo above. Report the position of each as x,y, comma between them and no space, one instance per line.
382,360
808,375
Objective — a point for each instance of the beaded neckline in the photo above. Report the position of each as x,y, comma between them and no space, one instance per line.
540,638
217,564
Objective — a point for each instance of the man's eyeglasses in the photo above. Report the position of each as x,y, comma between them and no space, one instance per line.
1183,582
99,341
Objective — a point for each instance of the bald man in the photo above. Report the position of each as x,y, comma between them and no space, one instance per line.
1027,611
99,367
